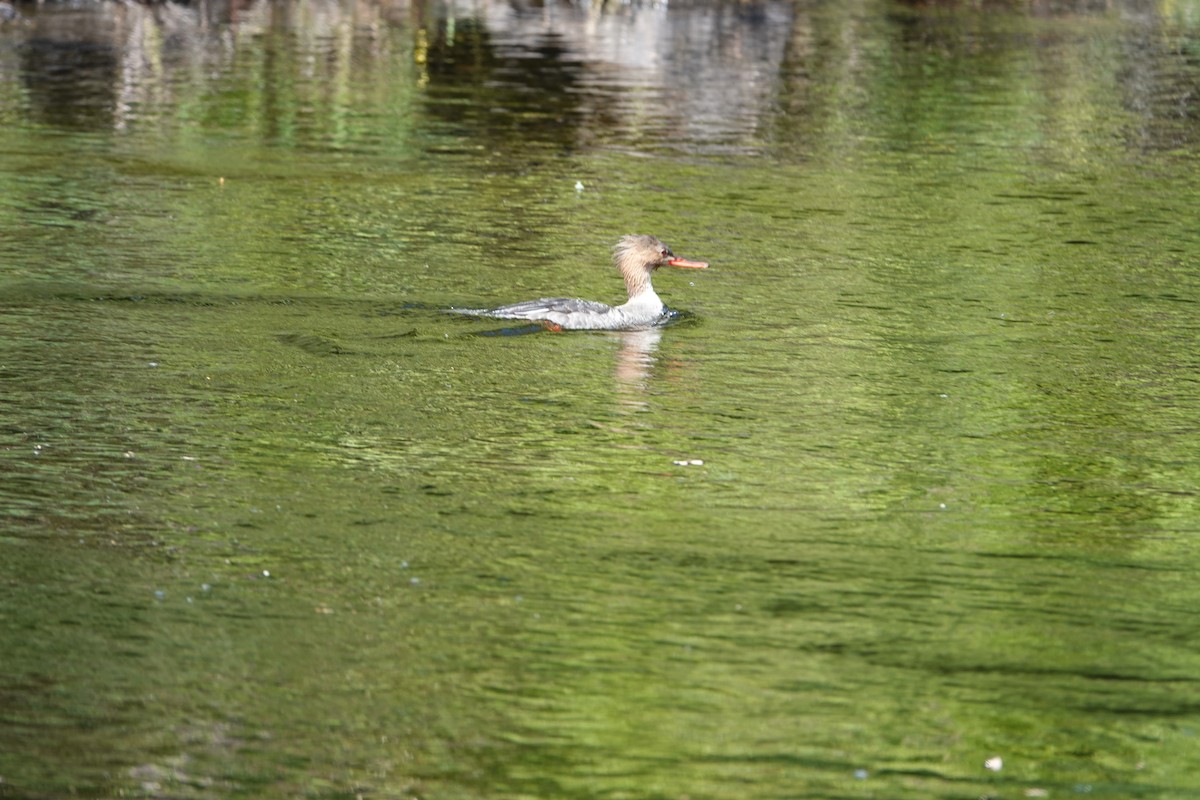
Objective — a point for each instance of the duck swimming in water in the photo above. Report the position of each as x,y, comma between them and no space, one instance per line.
636,257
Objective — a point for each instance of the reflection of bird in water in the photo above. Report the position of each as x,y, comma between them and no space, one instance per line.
636,258
634,362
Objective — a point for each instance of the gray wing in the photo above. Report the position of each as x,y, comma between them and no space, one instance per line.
547,306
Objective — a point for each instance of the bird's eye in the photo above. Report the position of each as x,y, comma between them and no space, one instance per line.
664,252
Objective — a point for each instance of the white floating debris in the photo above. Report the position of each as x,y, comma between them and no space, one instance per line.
688,462
579,186
266,573
1034,791
861,774
995,763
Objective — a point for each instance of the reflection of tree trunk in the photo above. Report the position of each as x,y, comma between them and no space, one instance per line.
818,82
795,68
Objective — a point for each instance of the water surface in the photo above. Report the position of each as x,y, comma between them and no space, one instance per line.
911,485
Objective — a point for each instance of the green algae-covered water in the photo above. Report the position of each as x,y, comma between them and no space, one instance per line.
903,506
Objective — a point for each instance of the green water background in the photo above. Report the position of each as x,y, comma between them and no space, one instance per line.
274,525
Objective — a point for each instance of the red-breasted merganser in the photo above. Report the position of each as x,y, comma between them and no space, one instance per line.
636,257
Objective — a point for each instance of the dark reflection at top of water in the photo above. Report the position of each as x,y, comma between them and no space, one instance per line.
701,78
73,82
